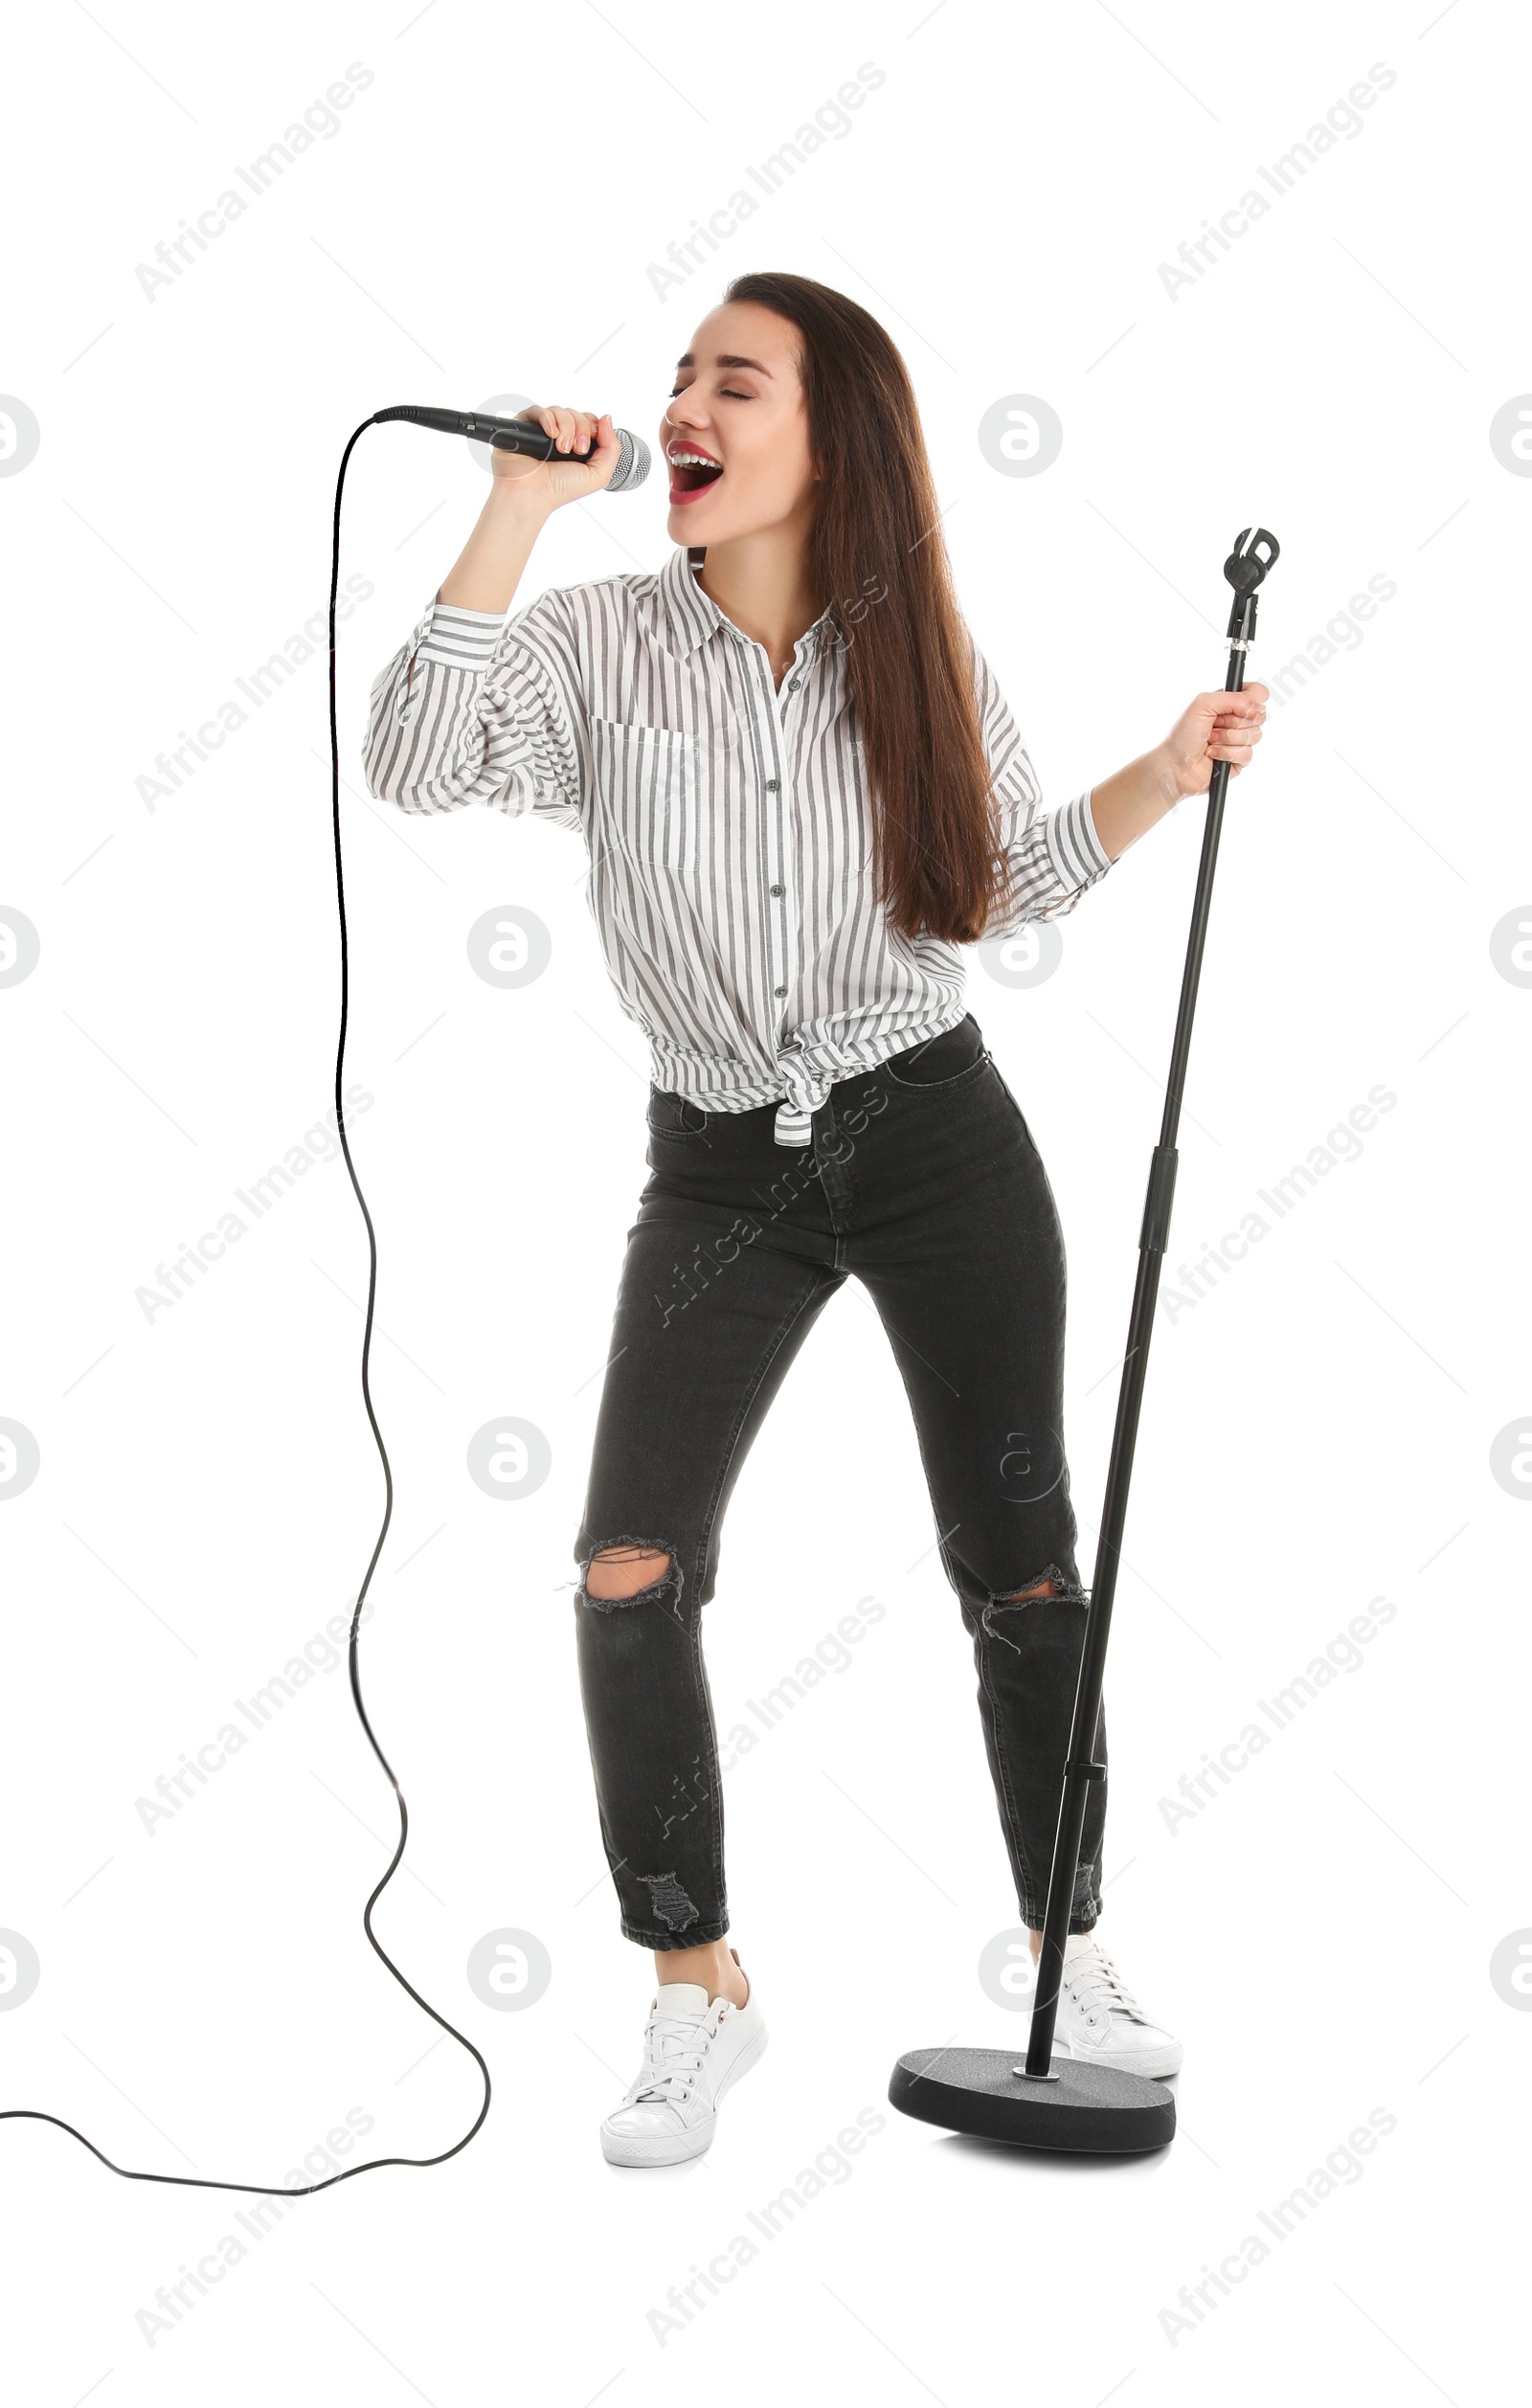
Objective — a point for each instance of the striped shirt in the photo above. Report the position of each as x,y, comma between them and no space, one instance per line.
729,825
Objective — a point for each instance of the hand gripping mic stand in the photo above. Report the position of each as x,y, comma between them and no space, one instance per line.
1071,2105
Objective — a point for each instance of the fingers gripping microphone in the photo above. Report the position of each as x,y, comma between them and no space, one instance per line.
520,436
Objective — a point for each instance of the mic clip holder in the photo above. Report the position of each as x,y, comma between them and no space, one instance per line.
1245,569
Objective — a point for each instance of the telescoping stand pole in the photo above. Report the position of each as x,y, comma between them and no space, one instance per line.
1077,2106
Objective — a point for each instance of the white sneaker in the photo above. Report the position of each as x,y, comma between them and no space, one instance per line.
1099,2021
694,2050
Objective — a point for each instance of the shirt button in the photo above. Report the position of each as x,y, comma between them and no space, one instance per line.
792,684
778,990
773,785
776,889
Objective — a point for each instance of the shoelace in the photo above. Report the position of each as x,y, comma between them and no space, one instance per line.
674,2047
1092,1976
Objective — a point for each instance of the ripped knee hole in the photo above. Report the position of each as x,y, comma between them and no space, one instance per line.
622,1571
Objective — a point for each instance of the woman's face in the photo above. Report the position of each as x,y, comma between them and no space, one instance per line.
739,404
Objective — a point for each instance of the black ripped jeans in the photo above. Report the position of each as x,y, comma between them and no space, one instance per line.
923,1181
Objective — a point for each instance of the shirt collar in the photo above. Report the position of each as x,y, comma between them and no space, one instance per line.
694,616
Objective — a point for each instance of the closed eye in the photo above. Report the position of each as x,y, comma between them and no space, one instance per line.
727,391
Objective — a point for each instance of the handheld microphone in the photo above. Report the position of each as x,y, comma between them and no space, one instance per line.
519,435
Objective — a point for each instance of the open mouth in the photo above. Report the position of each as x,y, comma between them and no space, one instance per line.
691,473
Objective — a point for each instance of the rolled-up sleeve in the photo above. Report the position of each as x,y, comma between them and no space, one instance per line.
478,709
1050,857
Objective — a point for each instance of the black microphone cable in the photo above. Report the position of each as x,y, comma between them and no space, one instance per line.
36,2115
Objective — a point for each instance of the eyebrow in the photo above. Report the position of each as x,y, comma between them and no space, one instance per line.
726,359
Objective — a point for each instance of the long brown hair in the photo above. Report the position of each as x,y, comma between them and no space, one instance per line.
878,560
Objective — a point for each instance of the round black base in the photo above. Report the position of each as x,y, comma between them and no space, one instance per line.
1087,2109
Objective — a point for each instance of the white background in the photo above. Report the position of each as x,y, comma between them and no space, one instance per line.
1318,1429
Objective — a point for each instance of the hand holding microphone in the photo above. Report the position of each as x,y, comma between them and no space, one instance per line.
563,477
576,450
572,453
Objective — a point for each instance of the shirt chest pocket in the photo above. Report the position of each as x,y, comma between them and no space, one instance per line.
648,789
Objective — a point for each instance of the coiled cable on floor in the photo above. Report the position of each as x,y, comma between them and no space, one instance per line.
369,2165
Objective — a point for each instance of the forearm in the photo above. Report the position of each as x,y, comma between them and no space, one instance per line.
490,566
1129,804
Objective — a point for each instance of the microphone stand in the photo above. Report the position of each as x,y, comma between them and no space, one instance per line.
1245,568
1096,2108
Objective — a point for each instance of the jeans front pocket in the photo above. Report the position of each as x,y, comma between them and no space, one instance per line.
673,1115
647,793
940,1063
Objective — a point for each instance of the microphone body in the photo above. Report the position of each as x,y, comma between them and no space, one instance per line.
519,435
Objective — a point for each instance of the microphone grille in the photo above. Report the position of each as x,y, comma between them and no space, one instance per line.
632,462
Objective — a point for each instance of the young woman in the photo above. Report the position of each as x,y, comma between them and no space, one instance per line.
802,793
